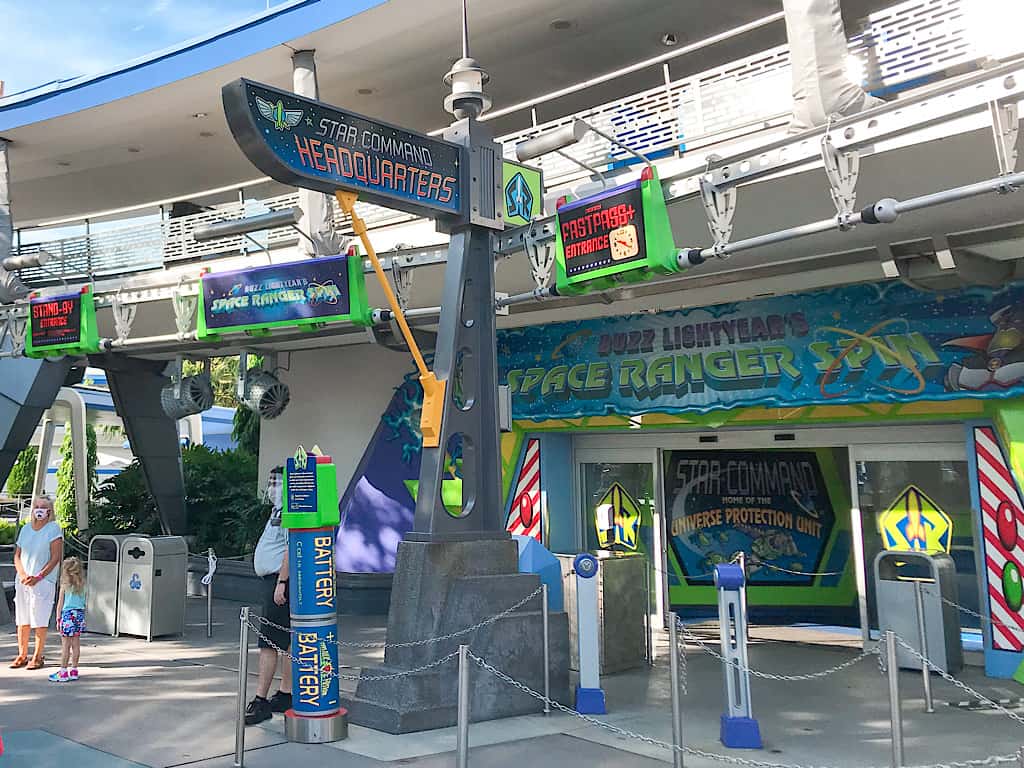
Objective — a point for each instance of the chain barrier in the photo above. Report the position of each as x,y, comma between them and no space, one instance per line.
415,643
987,619
391,676
958,683
692,751
769,675
795,573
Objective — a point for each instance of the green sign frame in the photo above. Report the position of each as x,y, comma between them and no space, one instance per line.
359,312
327,513
88,330
580,225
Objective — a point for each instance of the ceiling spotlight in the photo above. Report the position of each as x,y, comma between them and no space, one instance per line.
206,134
560,25
670,39
265,394
364,91
193,395
63,163
200,115
134,150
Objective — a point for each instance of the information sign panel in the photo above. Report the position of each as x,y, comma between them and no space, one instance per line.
62,325
309,144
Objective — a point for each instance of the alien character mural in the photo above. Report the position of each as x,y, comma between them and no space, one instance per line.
998,359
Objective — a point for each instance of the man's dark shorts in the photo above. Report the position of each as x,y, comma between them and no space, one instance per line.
279,614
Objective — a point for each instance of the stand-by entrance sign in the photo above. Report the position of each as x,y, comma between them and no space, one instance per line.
306,143
62,325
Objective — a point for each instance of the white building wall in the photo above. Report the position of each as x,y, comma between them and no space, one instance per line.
338,396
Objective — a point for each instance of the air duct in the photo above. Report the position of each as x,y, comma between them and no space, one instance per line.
818,57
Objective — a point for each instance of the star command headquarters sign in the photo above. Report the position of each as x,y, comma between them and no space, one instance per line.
309,144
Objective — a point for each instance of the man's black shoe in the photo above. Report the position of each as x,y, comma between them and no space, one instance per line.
258,711
280,702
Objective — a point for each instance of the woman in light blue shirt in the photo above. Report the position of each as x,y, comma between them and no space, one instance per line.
37,553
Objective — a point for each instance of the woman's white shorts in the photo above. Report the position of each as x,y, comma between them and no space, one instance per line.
32,605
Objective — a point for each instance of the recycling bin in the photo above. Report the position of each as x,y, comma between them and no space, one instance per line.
896,576
151,586
621,594
102,578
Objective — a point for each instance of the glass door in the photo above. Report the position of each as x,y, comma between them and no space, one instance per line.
617,507
912,497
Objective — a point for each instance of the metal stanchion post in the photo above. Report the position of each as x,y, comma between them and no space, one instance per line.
243,678
926,676
462,736
677,708
1020,757
209,599
547,650
742,559
895,715
648,645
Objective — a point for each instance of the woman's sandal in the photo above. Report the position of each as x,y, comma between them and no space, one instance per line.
19,662
37,663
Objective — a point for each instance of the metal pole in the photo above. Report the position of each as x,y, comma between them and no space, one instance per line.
209,600
1020,757
895,715
743,596
677,709
648,646
547,650
926,676
462,736
243,678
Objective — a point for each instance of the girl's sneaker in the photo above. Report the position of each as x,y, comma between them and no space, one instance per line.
61,676
73,676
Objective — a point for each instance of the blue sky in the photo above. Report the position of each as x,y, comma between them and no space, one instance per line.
46,40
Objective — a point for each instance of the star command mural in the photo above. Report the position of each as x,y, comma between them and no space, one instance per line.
875,342
772,505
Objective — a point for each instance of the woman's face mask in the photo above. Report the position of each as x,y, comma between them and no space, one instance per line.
40,513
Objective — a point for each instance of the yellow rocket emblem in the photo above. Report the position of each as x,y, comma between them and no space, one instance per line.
914,522
617,518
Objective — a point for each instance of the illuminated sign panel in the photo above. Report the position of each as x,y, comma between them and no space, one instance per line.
62,325
603,232
618,235
309,144
300,293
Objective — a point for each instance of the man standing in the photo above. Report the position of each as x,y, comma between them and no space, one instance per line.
271,564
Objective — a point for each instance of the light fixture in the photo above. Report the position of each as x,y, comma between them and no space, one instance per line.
27,260
567,135
260,390
205,134
287,217
187,395
63,163
669,39
200,115
364,91
134,150
560,25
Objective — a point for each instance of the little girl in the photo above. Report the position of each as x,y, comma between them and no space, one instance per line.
71,610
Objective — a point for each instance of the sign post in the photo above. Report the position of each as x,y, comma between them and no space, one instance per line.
311,516
458,181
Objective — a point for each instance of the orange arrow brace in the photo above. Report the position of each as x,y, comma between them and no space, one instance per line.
433,390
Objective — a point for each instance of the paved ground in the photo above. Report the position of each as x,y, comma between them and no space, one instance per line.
172,703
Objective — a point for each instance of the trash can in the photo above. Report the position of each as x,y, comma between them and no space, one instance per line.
151,587
896,577
101,584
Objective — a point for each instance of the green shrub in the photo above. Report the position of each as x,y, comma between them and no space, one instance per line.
221,499
23,473
64,503
8,532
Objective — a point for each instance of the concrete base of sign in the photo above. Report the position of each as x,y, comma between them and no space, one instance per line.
444,587
316,730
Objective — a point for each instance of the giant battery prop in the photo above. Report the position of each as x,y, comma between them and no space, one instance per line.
619,235
311,516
